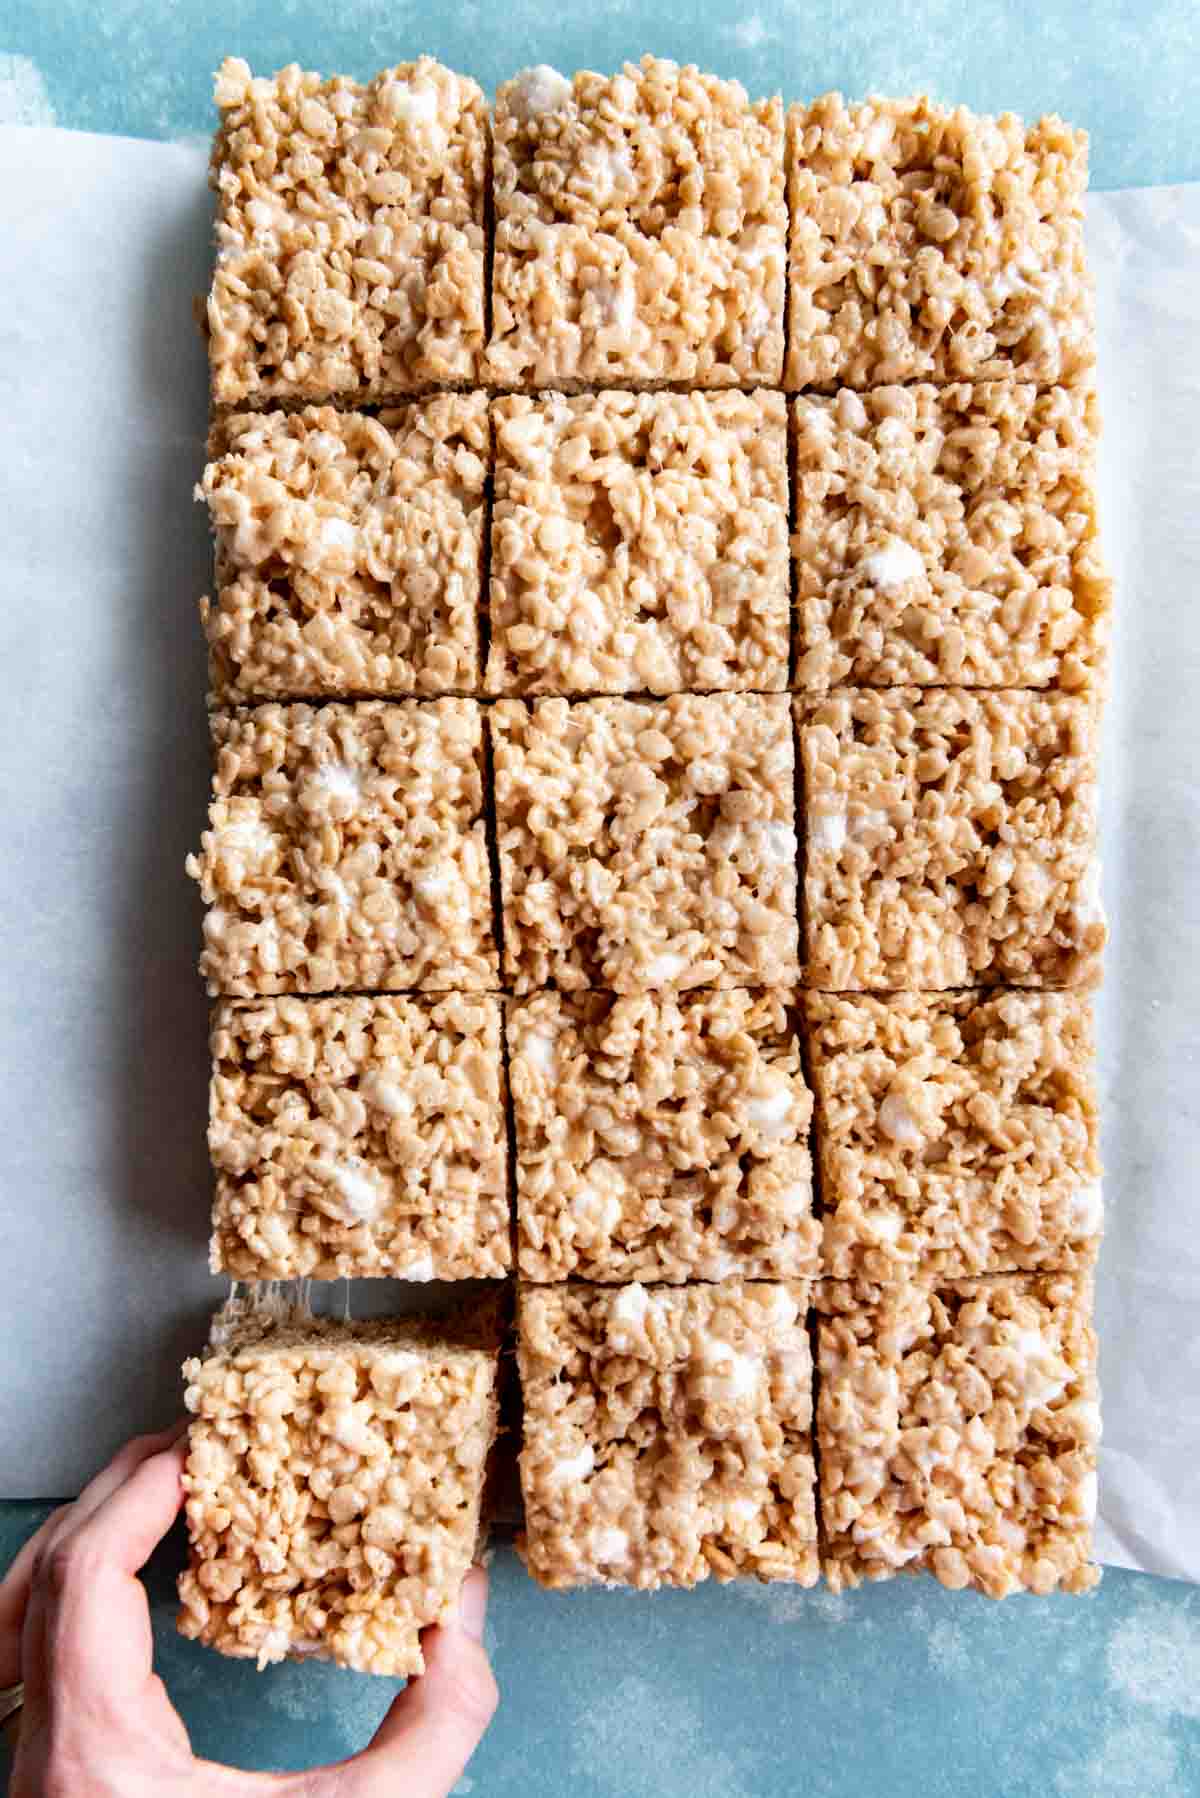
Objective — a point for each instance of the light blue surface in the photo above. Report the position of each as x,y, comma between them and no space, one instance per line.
903,1691
726,1692
1130,73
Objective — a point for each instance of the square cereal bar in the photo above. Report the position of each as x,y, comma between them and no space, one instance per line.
934,244
668,1434
640,230
334,1479
348,550
346,850
957,1431
646,845
639,542
948,536
950,839
661,1138
356,1137
957,1133
349,232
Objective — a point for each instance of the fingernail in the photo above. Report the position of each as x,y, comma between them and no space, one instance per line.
472,1605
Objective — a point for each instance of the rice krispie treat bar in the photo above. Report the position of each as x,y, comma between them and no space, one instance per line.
957,1133
950,839
355,1137
334,1480
667,1434
934,244
640,230
646,846
948,536
345,849
661,1138
639,542
348,550
350,248
957,1432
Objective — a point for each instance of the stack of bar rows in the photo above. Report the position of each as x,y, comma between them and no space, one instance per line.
579,811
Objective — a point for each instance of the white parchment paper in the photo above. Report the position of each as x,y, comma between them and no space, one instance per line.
1145,250
104,1185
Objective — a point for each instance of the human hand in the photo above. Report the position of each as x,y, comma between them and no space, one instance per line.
97,1721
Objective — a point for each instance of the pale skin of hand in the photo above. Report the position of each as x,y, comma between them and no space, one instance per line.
97,1721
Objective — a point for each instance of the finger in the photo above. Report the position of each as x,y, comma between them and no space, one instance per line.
14,1597
126,1461
125,1528
437,1722
14,1588
88,1624
428,1735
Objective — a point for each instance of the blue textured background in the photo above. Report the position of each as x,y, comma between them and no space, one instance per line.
734,1692
1129,72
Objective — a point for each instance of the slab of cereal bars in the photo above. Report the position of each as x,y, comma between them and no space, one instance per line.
652,844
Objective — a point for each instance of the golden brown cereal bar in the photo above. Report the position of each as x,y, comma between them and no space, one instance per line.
356,1137
345,849
930,243
957,1431
639,543
348,551
661,1138
667,1434
646,846
949,839
334,1482
350,248
957,1133
948,535
640,230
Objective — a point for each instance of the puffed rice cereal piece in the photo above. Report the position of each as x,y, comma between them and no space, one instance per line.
640,230
356,1137
334,1479
345,850
950,839
639,543
646,846
948,536
667,1434
957,1432
661,1138
957,1133
348,551
930,243
350,247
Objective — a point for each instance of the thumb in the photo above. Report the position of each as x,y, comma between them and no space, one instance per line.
437,1722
